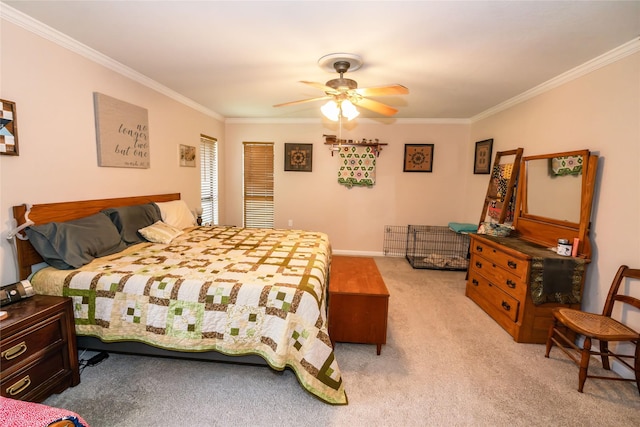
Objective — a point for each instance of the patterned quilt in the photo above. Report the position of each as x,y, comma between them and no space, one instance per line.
232,290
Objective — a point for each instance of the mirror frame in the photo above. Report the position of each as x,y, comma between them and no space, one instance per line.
546,231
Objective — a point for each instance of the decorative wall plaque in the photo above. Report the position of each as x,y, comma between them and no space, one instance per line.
298,157
8,128
122,133
418,158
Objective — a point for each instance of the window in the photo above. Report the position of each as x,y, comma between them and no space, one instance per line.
209,179
258,185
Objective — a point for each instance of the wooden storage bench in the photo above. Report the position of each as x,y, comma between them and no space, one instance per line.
358,302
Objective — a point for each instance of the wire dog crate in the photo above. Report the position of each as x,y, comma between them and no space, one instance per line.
395,240
437,248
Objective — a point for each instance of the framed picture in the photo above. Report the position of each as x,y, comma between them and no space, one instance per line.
122,133
8,128
298,157
187,156
482,159
418,158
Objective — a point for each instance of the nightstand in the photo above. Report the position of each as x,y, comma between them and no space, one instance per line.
38,353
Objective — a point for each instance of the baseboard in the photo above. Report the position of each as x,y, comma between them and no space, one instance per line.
356,253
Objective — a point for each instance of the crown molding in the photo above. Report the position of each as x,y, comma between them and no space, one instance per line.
379,121
610,57
36,27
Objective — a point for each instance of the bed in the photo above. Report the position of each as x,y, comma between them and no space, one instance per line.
205,292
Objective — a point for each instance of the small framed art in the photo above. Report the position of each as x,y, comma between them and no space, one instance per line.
187,156
8,128
418,158
298,157
482,159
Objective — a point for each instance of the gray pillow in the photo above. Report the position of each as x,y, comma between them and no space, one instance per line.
72,244
129,219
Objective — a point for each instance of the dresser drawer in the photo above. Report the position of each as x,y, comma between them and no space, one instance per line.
34,378
35,340
516,266
509,283
501,303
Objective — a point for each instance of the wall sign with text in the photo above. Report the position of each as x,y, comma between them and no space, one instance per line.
122,132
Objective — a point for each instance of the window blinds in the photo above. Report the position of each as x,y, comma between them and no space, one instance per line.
209,179
258,185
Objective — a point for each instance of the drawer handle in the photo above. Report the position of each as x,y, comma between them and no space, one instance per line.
512,264
475,282
19,386
479,248
478,264
511,284
14,351
506,305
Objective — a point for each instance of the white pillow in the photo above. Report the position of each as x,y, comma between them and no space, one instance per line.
177,214
159,232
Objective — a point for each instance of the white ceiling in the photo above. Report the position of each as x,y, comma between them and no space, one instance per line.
239,58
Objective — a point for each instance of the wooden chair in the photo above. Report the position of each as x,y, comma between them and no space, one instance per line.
602,327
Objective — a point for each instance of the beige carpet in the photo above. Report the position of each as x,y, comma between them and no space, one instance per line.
446,363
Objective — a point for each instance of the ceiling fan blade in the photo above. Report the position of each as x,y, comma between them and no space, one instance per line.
383,90
321,86
302,101
376,106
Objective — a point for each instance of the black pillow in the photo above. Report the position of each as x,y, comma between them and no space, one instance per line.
129,219
72,244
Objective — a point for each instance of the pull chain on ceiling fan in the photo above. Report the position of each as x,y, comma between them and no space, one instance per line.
343,93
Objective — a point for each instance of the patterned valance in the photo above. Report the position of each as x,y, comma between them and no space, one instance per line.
566,165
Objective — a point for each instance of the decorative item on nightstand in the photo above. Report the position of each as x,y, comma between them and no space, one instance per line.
199,215
15,292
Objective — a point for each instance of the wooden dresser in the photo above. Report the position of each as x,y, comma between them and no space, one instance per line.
38,348
518,280
358,302
499,282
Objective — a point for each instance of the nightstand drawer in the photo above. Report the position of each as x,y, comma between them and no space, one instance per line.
38,353
36,377
35,340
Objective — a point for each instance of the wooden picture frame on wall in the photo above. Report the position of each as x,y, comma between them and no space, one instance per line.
8,128
418,158
298,157
482,158
187,155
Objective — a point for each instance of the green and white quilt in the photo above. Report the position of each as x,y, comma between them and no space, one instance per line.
232,290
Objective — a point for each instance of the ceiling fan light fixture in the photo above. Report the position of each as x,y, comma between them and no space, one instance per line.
333,110
349,110
344,93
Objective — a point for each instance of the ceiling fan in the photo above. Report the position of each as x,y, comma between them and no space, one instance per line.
343,94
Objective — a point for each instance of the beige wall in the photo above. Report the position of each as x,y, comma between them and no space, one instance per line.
355,218
53,91
601,112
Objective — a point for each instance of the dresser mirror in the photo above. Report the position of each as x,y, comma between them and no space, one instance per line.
555,197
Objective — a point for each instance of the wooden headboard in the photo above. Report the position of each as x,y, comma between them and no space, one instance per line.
66,211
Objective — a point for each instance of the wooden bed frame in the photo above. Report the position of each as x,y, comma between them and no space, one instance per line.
66,211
